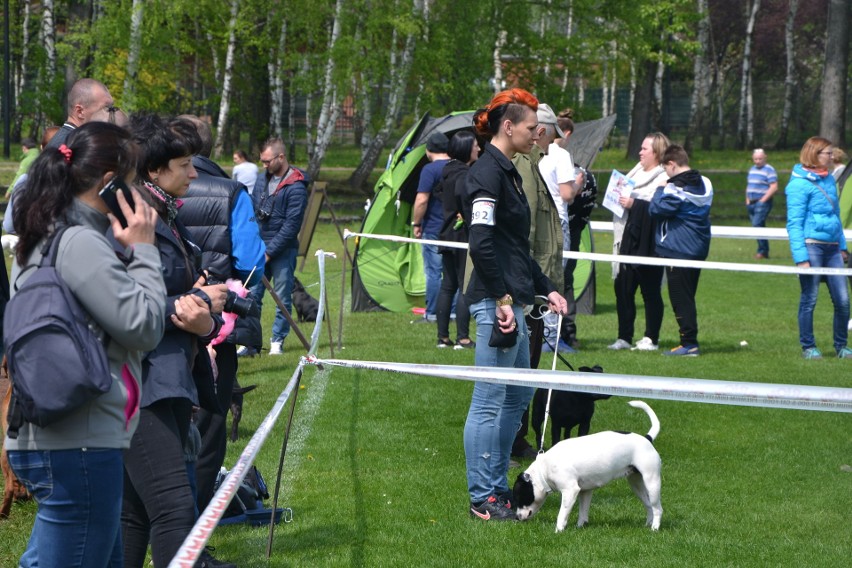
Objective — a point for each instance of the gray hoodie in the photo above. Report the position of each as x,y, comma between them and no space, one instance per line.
128,303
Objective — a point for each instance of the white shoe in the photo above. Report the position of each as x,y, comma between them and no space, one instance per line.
849,325
276,348
645,344
619,344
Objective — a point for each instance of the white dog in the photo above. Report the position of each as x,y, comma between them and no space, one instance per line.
576,466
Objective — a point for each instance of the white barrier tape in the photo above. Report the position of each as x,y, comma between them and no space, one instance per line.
768,395
726,232
321,255
647,260
194,543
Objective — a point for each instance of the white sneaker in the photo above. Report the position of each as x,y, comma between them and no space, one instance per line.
276,348
849,325
645,344
619,344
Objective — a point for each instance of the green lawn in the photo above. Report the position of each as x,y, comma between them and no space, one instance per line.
375,469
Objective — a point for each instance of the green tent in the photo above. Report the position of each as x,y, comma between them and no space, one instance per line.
389,275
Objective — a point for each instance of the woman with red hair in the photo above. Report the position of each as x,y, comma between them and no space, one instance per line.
502,287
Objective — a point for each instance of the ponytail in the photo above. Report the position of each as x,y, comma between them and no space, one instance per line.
506,105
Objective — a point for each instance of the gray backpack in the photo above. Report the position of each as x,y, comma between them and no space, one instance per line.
57,361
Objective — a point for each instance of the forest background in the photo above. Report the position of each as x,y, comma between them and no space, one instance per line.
715,74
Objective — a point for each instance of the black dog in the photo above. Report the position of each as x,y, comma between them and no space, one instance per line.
567,409
237,408
306,306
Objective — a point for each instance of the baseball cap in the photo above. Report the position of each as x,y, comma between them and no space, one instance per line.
546,115
438,143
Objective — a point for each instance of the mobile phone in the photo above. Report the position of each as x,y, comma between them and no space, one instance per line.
108,194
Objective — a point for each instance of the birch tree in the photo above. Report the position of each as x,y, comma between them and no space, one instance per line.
790,75
131,76
330,109
396,93
700,82
225,100
745,125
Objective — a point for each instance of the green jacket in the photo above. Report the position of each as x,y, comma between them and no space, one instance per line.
545,228
24,166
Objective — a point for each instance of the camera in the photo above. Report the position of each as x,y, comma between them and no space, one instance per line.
262,214
234,304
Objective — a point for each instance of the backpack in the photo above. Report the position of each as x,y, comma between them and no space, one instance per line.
583,204
57,360
250,494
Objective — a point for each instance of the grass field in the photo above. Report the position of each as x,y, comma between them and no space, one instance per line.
374,471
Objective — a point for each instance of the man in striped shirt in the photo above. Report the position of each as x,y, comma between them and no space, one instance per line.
762,185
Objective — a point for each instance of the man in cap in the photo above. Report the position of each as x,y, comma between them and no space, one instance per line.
427,217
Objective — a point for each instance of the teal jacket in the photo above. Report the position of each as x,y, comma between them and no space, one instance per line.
812,211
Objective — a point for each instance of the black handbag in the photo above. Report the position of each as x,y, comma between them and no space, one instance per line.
503,340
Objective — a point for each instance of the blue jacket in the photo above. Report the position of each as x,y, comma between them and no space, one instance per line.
682,211
280,214
812,211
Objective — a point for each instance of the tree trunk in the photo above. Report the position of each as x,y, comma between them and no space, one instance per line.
790,77
275,66
497,60
129,93
835,74
398,79
23,70
745,126
700,86
641,112
330,109
604,88
225,101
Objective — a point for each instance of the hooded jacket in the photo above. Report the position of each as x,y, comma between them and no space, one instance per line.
281,211
682,211
812,211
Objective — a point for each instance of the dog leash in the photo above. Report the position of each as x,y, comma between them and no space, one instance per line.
550,391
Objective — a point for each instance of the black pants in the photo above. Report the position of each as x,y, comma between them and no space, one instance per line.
649,279
214,427
451,283
683,284
569,322
157,502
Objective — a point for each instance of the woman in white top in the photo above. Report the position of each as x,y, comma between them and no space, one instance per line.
634,235
245,171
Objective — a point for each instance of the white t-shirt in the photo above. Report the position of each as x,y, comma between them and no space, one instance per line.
246,174
557,167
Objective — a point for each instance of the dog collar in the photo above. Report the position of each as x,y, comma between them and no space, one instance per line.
543,481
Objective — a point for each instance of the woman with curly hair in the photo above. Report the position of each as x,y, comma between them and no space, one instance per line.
502,287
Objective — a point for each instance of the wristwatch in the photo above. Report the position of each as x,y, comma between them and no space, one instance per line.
415,224
505,301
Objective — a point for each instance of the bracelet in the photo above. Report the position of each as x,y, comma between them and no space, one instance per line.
415,224
505,301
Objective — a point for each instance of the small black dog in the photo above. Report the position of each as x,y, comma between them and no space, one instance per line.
567,409
306,306
237,408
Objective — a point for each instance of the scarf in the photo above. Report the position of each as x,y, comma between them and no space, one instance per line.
172,203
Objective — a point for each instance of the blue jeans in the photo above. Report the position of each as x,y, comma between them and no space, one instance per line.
757,214
433,266
280,272
79,506
495,410
823,255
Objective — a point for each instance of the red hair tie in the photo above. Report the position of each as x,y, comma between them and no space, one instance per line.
65,151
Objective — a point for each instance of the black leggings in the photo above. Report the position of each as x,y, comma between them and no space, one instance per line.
649,279
157,499
451,283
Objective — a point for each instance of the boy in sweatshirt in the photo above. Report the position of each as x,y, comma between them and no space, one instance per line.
682,211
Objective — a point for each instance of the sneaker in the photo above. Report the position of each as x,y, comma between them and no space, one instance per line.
562,346
445,342
206,560
246,351
424,319
844,353
469,344
493,509
812,353
619,345
276,347
849,325
761,256
645,344
684,351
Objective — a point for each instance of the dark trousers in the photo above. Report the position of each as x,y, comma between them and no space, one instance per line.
157,502
451,284
648,279
569,322
213,427
683,284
